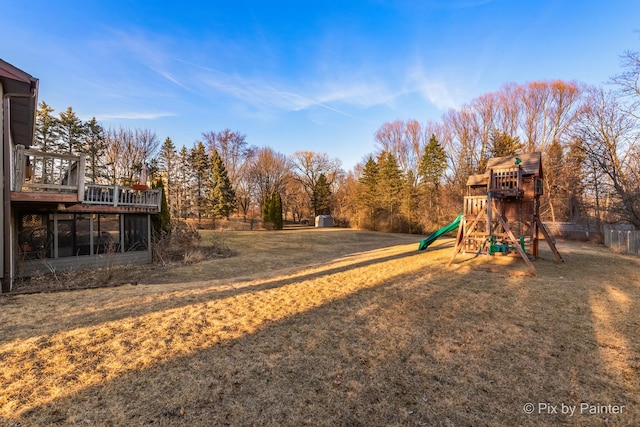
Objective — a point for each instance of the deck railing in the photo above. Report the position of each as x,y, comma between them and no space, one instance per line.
506,179
39,171
115,195
474,204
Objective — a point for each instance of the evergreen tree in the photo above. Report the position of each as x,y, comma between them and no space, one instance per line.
167,162
47,127
390,183
46,135
431,170
94,147
161,222
199,166
277,212
183,189
268,211
503,144
367,192
433,163
321,198
410,199
272,212
222,196
267,208
72,131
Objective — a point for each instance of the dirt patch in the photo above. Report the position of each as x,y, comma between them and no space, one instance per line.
333,327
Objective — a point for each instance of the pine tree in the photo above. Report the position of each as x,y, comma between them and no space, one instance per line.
94,147
46,135
268,212
47,127
367,190
277,212
431,170
410,200
503,144
72,131
167,162
222,196
390,183
272,212
322,196
182,203
162,221
433,163
199,166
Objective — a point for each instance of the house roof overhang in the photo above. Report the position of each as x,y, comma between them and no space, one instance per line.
22,107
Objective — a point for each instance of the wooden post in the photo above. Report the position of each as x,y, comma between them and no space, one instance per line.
466,234
20,168
515,243
81,169
549,241
489,213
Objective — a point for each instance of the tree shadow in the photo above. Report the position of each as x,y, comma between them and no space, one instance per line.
207,293
446,348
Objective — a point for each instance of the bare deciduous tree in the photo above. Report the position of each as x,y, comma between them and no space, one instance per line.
609,138
308,166
269,172
628,81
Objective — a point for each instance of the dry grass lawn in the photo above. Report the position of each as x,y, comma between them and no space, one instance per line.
333,328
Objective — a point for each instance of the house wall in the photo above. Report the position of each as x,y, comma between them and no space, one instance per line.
2,170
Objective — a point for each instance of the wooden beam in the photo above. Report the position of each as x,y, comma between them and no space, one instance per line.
467,233
42,196
112,209
549,240
522,253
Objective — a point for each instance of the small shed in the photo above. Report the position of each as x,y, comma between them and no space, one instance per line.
324,221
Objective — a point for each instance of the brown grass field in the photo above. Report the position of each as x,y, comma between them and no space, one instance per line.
333,328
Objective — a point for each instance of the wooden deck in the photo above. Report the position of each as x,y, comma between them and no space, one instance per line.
41,177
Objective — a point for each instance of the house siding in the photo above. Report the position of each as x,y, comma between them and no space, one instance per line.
2,170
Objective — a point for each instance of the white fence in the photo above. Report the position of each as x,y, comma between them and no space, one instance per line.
624,241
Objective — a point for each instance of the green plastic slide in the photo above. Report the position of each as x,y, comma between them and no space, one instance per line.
424,244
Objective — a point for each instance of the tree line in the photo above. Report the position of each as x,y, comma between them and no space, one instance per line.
219,176
413,181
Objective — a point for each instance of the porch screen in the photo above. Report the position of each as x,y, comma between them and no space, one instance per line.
35,236
106,230
136,233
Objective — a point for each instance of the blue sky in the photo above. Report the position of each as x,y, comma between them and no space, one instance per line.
303,75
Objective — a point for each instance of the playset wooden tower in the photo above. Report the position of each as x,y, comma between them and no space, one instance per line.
502,210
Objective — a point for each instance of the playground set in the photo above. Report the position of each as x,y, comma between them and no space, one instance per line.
501,212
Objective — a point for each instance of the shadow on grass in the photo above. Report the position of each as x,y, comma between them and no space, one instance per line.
411,350
205,294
